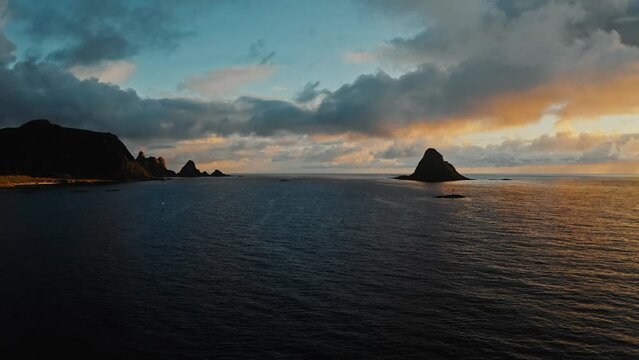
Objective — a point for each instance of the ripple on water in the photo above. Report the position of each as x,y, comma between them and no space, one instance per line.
343,267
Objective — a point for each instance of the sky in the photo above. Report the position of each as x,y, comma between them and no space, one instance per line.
508,86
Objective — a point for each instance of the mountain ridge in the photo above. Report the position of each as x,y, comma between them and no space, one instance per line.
41,148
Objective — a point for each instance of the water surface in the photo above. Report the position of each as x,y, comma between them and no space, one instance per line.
323,267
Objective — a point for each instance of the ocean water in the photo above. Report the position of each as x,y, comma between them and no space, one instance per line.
344,266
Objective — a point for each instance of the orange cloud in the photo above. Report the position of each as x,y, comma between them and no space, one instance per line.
626,167
578,99
224,165
570,98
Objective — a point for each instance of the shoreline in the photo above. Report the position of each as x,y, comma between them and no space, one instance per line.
15,181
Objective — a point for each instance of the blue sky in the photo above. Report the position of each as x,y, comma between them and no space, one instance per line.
338,86
310,40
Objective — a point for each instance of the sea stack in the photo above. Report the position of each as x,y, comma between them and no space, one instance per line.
190,170
433,168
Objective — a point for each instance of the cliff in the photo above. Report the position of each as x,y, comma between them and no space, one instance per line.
40,148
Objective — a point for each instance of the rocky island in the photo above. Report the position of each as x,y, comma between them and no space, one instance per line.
433,168
218,173
190,170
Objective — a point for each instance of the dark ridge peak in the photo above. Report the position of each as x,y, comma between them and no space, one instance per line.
190,170
432,154
38,123
141,155
47,125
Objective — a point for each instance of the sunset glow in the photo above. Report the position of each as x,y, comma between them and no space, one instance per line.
366,93
301,179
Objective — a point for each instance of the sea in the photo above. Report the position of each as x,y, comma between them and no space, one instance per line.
322,267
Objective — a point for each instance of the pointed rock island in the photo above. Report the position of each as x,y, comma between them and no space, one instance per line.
433,168
190,170
218,173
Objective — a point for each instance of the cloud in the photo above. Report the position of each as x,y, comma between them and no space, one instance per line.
578,98
227,81
568,152
273,153
115,72
94,48
310,93
369,106
31,90
499,64
266,59
496,68
402,150
7,48
358,57
4,12
467,56
259,53
106,31
560,149
551,36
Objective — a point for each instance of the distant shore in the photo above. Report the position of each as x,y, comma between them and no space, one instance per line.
11,181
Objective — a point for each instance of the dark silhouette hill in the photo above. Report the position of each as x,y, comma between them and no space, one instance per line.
40,148
156,167
190,170
433,168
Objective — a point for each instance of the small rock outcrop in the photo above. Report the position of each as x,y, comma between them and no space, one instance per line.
433,168
218,173
450,196
190,170
155,166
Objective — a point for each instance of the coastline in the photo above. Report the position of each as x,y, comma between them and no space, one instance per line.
13,181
